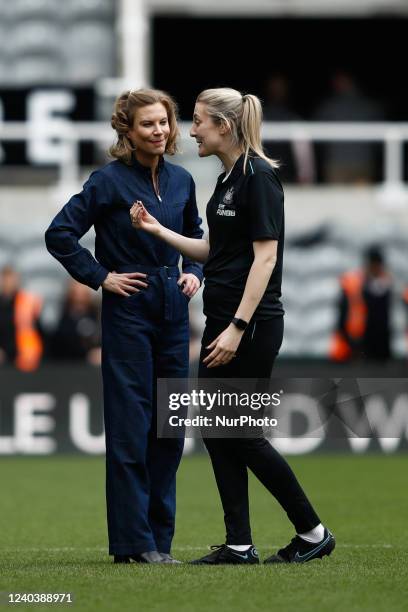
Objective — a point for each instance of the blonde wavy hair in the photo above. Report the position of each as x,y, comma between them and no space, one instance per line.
123,116
242,114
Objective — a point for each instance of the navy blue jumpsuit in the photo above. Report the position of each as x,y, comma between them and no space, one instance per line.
144,336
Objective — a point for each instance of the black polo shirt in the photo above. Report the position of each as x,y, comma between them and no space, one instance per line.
245,208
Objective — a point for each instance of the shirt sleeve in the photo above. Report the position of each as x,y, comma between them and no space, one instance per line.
71,223
192,229
265,203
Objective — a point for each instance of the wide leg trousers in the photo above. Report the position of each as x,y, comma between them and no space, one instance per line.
144,337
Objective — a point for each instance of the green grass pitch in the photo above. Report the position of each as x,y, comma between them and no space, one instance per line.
53,539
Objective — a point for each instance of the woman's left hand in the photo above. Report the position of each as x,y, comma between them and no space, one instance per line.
189,284
224,347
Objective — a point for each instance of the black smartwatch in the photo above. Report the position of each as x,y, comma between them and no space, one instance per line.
240,323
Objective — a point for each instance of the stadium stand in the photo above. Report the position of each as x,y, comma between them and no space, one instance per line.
34,69
75,42
49,42
21,10
90,52
76,10
33,37
310,287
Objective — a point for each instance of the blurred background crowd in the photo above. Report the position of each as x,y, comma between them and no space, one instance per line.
313,64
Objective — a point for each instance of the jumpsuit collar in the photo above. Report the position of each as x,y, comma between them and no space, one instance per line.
145,169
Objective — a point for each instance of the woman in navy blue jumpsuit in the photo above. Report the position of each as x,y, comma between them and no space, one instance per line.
145,332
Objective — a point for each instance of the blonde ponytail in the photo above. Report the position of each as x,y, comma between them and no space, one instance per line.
251,123
243,116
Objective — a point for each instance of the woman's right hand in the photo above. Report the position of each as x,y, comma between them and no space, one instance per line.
126,283
143,220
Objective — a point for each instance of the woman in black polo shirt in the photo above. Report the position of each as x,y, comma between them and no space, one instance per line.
244,326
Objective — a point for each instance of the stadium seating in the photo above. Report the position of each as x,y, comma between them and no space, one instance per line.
21,10
90,52
35,36
53,42
76,10
43,69
310,286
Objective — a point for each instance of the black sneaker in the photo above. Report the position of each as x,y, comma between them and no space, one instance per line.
147,557
300,551
224,555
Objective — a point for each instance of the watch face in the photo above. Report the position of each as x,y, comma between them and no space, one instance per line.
240,323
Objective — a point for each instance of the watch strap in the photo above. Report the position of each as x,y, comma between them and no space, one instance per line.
240,323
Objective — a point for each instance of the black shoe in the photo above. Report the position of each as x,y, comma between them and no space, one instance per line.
168,558
300,551
121,559
147,557
224,555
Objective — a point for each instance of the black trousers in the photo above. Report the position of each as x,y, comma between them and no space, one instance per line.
231,457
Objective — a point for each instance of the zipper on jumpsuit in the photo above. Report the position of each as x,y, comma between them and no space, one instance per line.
157,193
166,268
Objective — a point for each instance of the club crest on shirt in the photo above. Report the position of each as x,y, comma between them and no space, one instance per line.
227,199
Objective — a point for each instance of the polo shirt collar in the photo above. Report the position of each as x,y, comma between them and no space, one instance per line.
236,171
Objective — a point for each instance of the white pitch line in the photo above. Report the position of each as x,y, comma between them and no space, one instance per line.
178,548
192,548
